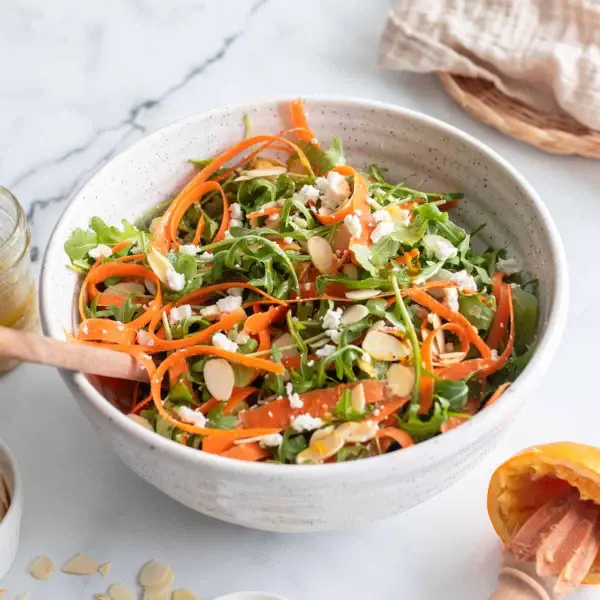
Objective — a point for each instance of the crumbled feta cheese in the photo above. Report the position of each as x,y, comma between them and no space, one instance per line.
100,251
144,338
191,416
334,190
306,423
206,256
382,215
494,355
332,318
306,193
465,282
384,228
189,249
235,223
228,235
325,351
373,203
451,298
135,250
271,440
441,247
179,313
288,240
85,329
175,280
352,222
508,266
235,211
293,397
236,291
310,363
221,341
229,303
210,311
334,334
242,338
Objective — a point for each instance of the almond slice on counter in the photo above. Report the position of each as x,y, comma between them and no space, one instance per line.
362,294
101,597
42,568
322,255
219,378
154,572
120,592
4,493
400,379
82,564
24,596
183,594
104,569
354,314
156,592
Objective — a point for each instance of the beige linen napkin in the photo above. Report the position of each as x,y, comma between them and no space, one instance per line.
545,53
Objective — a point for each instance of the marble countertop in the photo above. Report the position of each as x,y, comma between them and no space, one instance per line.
79,82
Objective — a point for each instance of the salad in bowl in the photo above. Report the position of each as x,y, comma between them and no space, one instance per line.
290,307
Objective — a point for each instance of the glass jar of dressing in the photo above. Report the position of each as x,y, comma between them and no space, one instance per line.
18,304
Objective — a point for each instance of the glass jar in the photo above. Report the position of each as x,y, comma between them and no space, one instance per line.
18,305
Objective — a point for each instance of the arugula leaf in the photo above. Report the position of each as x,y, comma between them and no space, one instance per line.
343,409
125,313
290,447
526,309
362,255
215,418
324,160
180,394
456,393
112,235
254,193
186,265
422,429
477,312
352,453
80,242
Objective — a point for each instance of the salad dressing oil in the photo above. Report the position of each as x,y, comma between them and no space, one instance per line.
18,306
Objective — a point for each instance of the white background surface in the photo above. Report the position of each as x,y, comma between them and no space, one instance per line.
81,80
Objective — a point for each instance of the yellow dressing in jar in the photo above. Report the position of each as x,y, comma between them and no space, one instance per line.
18,303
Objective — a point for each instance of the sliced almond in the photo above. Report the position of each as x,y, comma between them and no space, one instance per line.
101,597
104,569
400,380
321,449
262,162
124,288
382,346
82,564
359,401
286,340
354,314
362,294
120,592
350,271
24,596
357,433
319,434
155,592
219,378
380,324
140,421
322,255
154,572
42,568
159,265
150,286
267,172
183,594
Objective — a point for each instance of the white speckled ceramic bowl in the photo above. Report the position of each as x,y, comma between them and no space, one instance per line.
418,150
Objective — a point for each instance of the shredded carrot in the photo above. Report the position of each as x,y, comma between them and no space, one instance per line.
497,393
105,330
498,329
421,297
264,212
427,382
261,320
398,435
201,294
199,231
237,397
250,452
318,403
300,122
452,423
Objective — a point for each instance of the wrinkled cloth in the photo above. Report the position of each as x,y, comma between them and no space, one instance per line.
545,53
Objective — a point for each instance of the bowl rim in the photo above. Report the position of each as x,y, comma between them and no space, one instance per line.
16,499
443,444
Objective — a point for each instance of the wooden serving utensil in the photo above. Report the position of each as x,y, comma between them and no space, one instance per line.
552,552
41,350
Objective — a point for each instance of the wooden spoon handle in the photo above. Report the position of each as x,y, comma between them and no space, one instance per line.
33,348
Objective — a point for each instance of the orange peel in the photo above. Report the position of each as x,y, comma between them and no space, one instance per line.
538,474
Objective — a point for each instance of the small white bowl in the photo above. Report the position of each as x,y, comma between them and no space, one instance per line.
11,524
418,150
